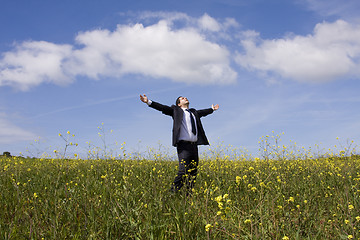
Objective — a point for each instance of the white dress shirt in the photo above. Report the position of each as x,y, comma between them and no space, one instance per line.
185,129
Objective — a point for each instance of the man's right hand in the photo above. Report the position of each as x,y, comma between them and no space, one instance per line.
144,98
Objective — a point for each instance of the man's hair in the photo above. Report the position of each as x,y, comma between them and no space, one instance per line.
178,100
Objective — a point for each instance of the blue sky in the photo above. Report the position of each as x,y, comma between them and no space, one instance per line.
291,67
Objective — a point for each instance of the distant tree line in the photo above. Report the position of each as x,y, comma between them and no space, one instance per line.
6,154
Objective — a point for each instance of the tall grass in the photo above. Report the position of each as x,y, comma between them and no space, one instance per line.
277,197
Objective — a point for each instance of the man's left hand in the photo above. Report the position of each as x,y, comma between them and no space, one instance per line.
215,107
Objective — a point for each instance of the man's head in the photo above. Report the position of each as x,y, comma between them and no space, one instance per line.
182,102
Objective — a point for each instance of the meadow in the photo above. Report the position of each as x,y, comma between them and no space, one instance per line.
284,193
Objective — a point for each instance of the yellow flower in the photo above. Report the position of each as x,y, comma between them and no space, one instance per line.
358,218
247,221
351,207
218,198
350,237
285,238
238,179
207,227
291,199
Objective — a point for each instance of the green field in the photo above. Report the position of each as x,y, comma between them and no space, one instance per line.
278,197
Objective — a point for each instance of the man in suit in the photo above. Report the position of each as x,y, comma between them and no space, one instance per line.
187,133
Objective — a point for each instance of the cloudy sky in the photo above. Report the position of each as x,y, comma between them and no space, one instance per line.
291,67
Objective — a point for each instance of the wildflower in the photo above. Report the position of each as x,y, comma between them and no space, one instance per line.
35,195
285,238
207,227
247,221
347,221
291,199
218,198
238,179
350,237
351,207
218,213
358,218
227,210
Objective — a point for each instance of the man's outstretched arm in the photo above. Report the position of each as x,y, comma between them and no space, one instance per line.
207,111
163,108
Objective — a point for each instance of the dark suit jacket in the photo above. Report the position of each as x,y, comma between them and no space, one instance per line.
177,114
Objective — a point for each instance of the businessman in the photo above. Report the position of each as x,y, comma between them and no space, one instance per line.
187,134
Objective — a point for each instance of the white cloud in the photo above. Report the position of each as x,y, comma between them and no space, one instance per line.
10,133
348,9
32,63
331,52
208,23
158,50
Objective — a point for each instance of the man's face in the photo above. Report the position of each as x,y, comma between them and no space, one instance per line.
184,102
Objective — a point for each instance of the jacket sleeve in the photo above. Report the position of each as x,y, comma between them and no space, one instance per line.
205,112
167,110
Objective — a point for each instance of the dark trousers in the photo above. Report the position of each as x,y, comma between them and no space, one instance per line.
188,161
